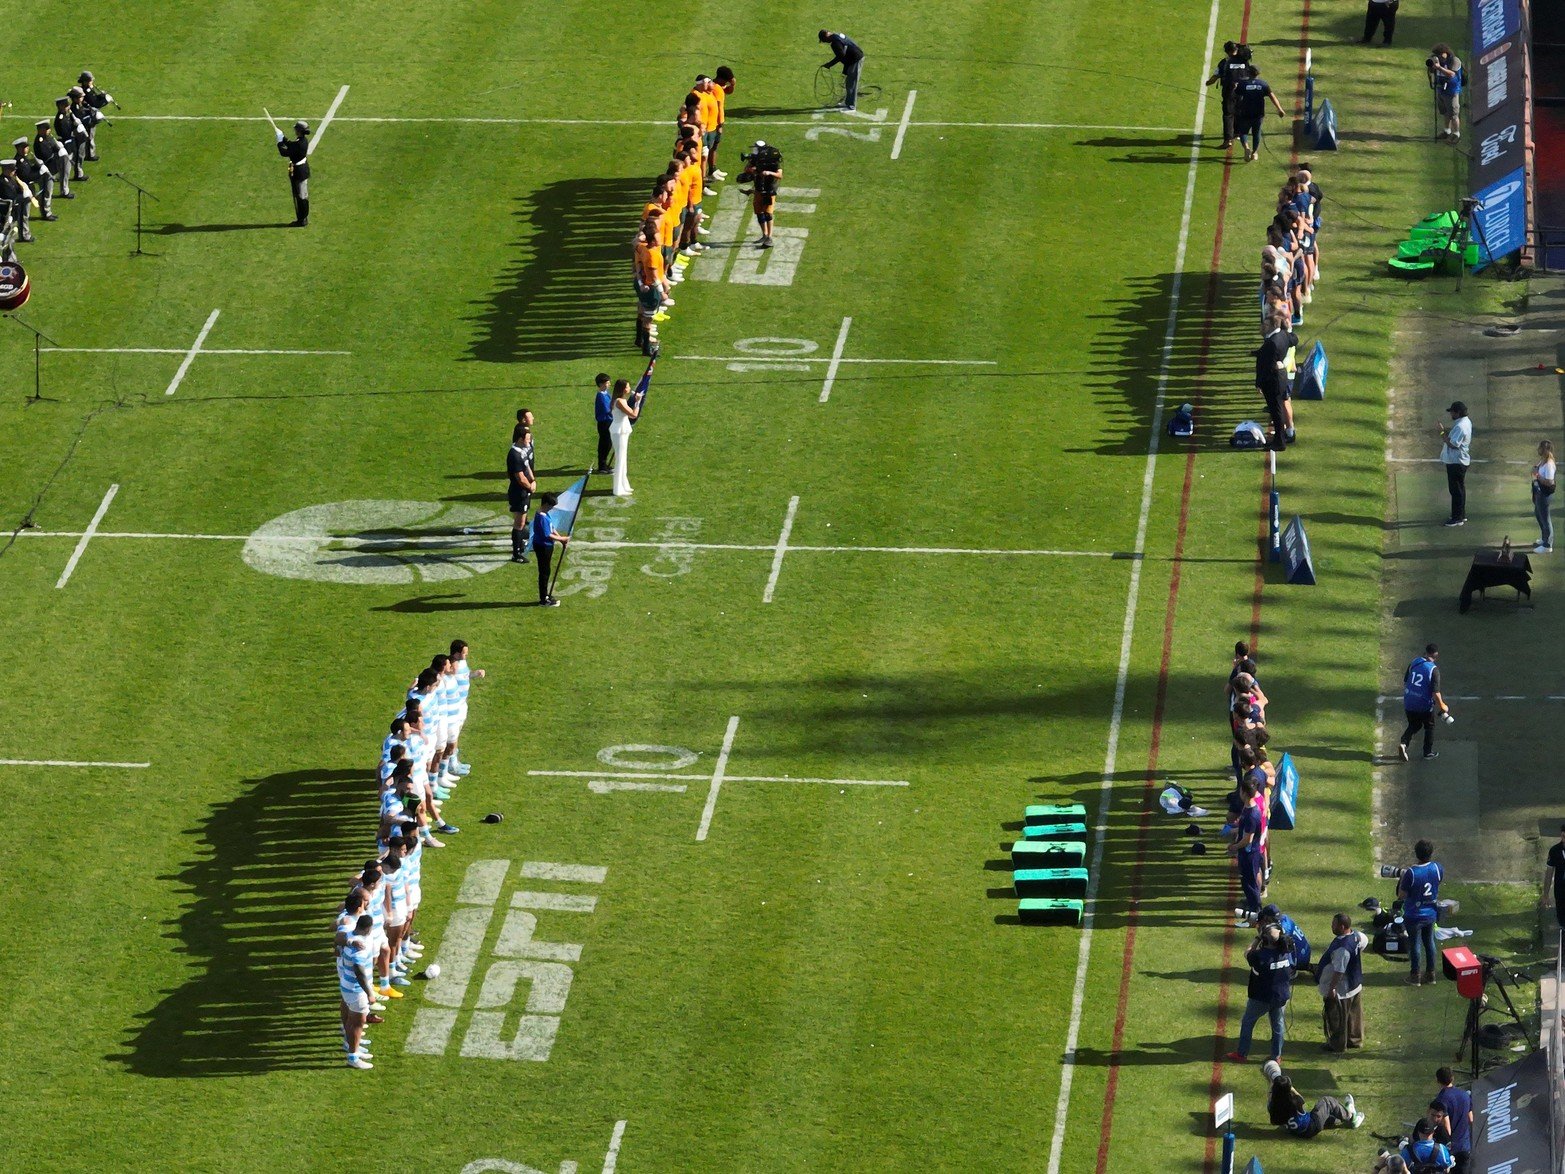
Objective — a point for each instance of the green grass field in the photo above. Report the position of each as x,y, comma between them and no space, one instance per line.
830,977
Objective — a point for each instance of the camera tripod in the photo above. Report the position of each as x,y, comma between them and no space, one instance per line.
1498,973
1467,226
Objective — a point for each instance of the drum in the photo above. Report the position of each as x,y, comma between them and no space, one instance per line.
14,287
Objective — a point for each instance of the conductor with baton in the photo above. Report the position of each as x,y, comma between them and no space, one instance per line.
297,151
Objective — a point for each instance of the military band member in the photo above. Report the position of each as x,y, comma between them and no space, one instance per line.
89,118
72,135
297,151
96,100
36,176
13,202
49,152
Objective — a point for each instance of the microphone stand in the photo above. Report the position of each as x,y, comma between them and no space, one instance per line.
39,337
140,191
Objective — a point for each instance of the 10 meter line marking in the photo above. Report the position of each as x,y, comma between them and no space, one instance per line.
907,114
92,528
190,355
836,359
717,777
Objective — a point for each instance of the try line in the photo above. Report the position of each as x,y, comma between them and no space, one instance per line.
737,120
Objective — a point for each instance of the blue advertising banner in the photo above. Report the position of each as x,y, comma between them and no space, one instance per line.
1502,216
1296,553
1494,21
1311,383
1285,798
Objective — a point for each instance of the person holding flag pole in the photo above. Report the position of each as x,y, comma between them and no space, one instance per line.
544,538
626,409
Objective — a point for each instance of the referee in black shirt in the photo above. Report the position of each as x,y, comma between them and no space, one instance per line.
297,151
519,485
1228,74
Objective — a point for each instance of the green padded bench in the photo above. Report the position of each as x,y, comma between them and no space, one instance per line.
1056,813
1049,911
1052,882
1056,831
1042,881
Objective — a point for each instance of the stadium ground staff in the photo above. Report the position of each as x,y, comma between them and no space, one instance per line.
1554,879
1381,14
603,416
53,155
1229,73
1458,1106
846,53
1419,888
544,538
1420,698
1543,484
520,484
297,151
1341,972
72,136
1456,445
36,176
1250,97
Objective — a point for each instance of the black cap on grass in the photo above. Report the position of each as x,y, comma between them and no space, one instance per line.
1198,849
493,817
1192,829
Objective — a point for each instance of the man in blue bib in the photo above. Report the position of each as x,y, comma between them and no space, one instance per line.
1419,888
1420,698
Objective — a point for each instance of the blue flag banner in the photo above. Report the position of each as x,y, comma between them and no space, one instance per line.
1296,553
1285,798
639,395
1494,22
1311,383
563,516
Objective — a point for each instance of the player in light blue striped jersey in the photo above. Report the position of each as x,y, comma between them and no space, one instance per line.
464,675
353,982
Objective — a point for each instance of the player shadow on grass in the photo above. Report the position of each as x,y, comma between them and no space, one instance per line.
270,867
435,604
566,293
181,229
1210,362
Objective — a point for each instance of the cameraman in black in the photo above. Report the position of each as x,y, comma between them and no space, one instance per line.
762,169
1269,991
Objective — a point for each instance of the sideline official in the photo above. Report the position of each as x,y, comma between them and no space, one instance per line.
297,151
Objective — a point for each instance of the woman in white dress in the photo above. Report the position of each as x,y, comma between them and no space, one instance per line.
626,408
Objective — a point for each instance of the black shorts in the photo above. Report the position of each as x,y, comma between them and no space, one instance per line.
520,500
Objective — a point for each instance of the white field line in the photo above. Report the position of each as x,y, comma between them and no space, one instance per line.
785,359
907,113
478,543
331,113
717,778
1388,698
169,350
782,549
727,778
611,1159
68,762
86,537
740,122
836,359
1438,461
1111,753
190,355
